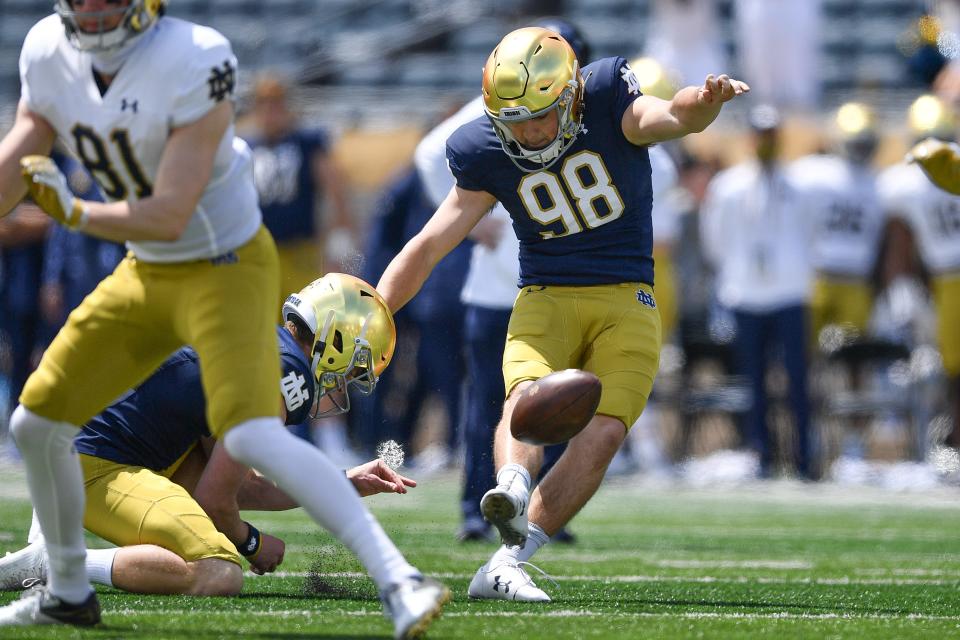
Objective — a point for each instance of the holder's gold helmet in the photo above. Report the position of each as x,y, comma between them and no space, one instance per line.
137,17
354,336
531,72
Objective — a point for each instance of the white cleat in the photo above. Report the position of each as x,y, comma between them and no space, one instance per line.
29,565
413,605
506,581
38,606
507,511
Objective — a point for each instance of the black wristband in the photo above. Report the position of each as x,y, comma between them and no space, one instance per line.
250,546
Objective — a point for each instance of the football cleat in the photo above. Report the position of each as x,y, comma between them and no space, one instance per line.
39,606
26,565
413,605
506,581
507,511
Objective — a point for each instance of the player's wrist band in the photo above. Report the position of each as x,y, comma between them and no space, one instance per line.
251,546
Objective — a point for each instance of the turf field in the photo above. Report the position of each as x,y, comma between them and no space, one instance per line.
780,560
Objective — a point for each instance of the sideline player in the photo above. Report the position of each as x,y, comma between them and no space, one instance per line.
840,192
151,478
145,101
565,152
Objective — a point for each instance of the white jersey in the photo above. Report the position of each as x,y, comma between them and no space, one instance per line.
175,74
755,234
841,199
663,179
933,214
493,275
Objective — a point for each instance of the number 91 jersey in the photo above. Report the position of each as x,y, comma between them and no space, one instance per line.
173,76
586,220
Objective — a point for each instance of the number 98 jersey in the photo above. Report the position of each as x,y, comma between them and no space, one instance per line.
586,220
174,75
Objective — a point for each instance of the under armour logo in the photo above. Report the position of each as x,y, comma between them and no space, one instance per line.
293,386
132,104
627,75
497,584
221,81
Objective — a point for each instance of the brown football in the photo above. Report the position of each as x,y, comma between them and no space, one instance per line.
556,407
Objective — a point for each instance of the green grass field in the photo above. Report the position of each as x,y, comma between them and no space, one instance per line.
779,560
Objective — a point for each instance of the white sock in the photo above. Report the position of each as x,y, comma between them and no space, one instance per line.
56,489
536,538
100,565
322,490
514,477
35,534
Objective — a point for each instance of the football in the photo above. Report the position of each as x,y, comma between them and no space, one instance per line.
556,407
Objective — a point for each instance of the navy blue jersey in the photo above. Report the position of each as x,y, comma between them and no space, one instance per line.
154,424
284,177
586,220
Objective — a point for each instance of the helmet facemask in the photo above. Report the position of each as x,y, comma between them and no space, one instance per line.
135,19
358,374
569,127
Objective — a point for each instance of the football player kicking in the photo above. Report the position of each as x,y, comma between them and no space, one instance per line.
565,151
152,472
146,102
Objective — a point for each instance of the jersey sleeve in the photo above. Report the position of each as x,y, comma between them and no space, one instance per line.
209,77
33,84
459,159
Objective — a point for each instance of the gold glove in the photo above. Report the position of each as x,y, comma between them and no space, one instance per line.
940,161
48,188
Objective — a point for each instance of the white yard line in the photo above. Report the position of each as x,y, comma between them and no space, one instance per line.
844,580
535,612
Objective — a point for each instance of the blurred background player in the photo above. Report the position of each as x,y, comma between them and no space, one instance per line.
186,203
757,237
295,174
159,487
934,216
507,157
839,193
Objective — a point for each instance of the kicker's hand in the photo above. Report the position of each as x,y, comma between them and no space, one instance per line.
377,477
720,89
940,161
269,557
48,188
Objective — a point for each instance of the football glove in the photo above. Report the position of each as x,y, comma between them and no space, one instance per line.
48,188
940,161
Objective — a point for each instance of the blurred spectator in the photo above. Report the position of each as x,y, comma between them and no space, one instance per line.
22,237
74,263
839,193
934,216
778,49
755,233
293,170
685,37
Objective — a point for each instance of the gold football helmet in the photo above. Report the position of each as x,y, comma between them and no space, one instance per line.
354,336
856,127
531,72
929,116
137,17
